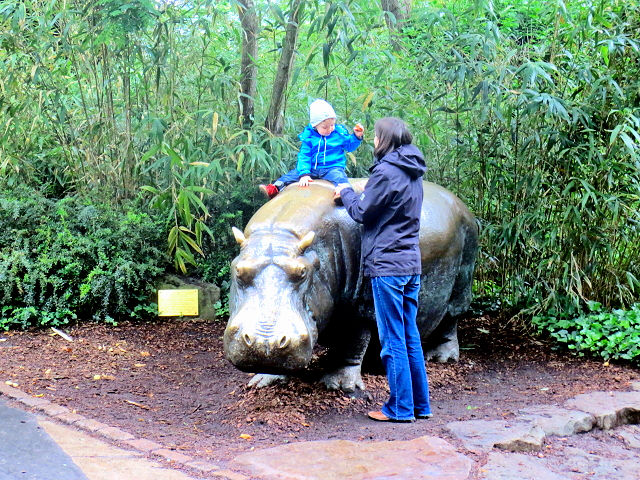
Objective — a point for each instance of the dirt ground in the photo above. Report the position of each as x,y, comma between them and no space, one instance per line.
169,382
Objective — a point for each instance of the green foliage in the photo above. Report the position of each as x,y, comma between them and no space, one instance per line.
71,260
528,110
182,198
525,120
234,210
610,334
186,176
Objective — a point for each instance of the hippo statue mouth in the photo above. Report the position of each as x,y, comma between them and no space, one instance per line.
279,343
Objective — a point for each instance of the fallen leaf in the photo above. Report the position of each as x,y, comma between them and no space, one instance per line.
246,436
145,354
139,365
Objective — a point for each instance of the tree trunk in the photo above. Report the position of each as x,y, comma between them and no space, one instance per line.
274,122
400,9
249,70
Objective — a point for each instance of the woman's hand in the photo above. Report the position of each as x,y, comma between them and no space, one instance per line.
358,131
336,193
339,188
305,181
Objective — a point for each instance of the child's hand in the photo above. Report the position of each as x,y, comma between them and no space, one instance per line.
305,181
358,131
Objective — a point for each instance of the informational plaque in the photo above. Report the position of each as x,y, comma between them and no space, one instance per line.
178,303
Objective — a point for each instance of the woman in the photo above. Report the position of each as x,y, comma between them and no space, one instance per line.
389,209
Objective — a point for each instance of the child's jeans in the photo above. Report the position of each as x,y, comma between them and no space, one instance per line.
333,175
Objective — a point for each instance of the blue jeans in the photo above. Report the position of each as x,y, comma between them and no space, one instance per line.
333,175
396,305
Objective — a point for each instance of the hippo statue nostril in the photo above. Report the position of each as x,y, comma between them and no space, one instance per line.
284,341
248,339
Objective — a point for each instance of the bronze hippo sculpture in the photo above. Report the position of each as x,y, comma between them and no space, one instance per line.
298,282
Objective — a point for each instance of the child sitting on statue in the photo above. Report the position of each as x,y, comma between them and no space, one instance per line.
322,153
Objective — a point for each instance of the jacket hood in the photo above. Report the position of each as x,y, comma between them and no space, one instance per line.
407,157
308,132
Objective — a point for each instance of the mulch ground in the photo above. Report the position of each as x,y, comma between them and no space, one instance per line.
169,382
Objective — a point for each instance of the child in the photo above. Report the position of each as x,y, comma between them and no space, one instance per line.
322,153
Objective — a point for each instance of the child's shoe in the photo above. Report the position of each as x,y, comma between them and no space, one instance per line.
270,190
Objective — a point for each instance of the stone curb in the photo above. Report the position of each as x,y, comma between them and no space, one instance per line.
142,445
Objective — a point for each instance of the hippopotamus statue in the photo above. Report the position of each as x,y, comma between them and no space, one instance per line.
298,282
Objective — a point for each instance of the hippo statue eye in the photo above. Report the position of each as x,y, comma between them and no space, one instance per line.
245,271
296,269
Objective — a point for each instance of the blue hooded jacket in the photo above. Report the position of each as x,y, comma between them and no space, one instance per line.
318,152
389,209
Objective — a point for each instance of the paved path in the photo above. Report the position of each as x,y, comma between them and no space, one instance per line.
35,448
29,452
61,445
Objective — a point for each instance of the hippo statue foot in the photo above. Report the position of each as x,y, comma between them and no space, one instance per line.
348,379
445,352
261,380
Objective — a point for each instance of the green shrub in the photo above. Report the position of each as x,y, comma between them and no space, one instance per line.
70,260
231,210
610,334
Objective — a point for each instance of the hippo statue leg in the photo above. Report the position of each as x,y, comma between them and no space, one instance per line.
261,380
348,378
442,346
348,347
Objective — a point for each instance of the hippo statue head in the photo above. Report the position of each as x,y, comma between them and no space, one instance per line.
271,328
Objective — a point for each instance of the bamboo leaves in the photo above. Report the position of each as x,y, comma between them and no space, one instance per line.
183,199
529,111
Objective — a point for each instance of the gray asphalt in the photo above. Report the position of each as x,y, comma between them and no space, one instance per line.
27,452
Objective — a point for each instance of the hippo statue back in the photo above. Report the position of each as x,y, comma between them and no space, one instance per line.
298,281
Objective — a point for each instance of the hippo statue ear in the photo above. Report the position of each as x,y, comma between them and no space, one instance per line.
239,236
306,241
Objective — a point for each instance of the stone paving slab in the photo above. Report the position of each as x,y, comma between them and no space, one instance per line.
610,409
424,458
483,435
629,434
607,463
512,466
558,421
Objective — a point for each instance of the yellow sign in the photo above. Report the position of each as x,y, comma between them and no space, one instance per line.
177,303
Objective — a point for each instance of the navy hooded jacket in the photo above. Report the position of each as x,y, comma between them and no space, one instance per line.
389,209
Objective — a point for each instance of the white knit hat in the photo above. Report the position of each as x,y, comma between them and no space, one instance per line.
320,110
